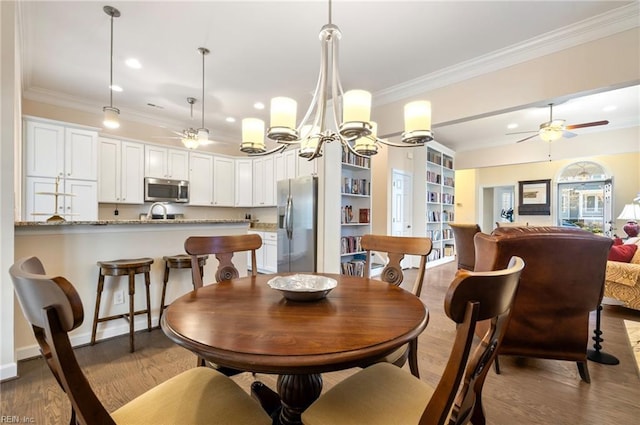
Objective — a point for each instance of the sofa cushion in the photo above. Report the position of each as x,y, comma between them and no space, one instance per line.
622,253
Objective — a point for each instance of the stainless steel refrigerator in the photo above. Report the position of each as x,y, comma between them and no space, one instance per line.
297,224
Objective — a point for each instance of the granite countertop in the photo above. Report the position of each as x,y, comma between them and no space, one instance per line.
116,222
264,227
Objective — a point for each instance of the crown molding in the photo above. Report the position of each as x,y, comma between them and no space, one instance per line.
618,20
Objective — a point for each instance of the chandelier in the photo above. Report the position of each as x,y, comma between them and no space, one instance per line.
350,115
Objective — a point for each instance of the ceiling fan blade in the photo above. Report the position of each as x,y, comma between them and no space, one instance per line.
527,138
179,133
568,134
587,124
522,132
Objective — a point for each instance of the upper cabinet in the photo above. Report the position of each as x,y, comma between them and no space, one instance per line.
200,179
61,163
166,163
223,190
244,182
120,171
57,150
286,165
264,182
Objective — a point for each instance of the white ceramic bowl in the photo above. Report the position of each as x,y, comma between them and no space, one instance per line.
303,287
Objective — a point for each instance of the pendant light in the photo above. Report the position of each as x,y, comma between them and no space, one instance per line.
110,113
203,133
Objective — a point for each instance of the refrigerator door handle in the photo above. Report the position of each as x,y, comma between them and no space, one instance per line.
288,218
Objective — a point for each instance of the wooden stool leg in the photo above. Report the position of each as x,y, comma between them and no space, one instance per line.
97,310
147,282
132,291
164,290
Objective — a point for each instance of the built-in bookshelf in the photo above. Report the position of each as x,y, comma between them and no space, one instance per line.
440,202
355,211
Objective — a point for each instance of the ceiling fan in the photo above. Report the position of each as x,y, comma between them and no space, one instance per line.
189,136
555,129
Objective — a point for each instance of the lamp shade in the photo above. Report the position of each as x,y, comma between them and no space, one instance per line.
356,106
111,117
630,212
417,116
283,112
252,135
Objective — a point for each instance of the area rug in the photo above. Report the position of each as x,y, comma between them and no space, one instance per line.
633,334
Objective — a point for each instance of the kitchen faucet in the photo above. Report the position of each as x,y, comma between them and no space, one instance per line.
155,204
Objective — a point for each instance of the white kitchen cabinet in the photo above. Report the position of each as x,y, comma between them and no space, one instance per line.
306,167
167,163
120,171
267,255
54,149
223,187
264,182
77,200
286,164
201,179
244,182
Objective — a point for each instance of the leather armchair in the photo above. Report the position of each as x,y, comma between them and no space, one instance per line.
562,282
465,249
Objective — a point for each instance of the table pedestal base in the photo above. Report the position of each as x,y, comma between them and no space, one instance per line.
295,394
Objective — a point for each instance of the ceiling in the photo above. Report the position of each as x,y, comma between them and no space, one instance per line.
263,49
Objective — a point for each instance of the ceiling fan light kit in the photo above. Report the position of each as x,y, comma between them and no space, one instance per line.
350,115
110,113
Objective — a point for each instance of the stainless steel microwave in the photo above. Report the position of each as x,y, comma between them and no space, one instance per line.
165,190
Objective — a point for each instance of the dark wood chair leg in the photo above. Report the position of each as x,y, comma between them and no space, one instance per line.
413,358
496,365
147,283
165,279
583,370
97,310
132,291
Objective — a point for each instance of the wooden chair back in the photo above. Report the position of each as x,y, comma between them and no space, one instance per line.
471,297
223,247
53,308
396,247
465,248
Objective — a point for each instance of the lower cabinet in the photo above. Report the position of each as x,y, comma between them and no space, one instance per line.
267,255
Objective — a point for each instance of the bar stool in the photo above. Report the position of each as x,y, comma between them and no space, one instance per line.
180,261
121,268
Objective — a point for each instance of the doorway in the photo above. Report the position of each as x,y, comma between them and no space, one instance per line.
401,207
497,206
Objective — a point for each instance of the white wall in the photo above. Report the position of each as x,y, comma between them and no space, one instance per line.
9,135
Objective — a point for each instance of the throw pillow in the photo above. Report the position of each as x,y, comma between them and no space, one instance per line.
617,241
622,253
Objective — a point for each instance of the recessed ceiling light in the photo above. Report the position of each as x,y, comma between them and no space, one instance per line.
512,126
258,105
133,63
115,88
230,119
609,108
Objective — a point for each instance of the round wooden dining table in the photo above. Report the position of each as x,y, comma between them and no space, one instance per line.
245,324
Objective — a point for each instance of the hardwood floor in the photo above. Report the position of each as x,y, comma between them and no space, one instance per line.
528,391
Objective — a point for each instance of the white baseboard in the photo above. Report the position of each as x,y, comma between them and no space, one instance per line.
8,371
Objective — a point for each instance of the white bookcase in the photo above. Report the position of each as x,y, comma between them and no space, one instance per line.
355,211
440,183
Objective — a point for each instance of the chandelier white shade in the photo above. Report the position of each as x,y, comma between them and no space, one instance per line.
110,113
333,115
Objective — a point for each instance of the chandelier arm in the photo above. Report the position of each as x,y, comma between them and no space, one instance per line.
324,70
318,93
388,143
280,148
337,92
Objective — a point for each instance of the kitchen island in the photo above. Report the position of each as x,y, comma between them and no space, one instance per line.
72,248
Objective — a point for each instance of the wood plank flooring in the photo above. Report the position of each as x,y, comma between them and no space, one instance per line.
527,391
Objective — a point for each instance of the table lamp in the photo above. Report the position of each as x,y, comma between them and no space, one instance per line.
631,213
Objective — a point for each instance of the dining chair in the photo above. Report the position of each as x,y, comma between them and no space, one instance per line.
384,394
396,247
223,247
53,307
465,248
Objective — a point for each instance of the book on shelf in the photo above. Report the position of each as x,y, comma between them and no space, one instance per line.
349,157
352,268
350,244
364,215
448,250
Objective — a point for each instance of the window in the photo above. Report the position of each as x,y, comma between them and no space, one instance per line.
584,197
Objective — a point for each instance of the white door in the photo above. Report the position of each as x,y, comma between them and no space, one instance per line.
402,207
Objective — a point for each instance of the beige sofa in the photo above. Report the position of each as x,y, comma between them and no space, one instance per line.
622,280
